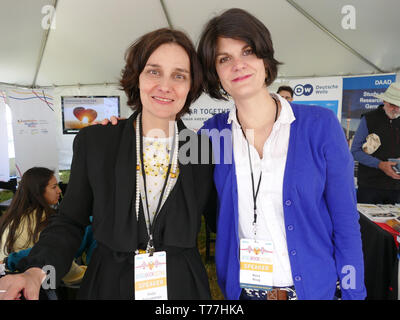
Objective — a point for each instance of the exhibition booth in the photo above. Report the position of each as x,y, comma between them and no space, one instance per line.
61,62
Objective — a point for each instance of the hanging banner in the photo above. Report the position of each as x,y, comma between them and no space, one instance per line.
33,122
203,109
359,97
4,160
325,92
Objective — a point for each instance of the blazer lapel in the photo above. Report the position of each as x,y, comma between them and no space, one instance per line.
125,185
186,170
125,175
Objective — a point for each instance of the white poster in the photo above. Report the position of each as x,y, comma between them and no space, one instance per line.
325,92
4,161
203,109
33,121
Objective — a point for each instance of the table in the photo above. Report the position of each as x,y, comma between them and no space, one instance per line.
394,233
380,261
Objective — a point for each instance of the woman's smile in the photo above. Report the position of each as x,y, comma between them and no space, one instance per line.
162,100
241,78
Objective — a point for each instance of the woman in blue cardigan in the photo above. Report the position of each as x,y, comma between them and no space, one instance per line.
284,177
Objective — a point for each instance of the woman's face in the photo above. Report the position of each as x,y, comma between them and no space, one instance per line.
52,192
241,72
165,82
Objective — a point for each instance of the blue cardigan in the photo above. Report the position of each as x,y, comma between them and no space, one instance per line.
320,212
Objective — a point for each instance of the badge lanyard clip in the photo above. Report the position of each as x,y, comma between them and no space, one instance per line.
150,246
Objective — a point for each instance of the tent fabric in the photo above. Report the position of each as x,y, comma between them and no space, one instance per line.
87,42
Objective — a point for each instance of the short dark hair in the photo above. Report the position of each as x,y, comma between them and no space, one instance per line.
285,88
236,24
139,52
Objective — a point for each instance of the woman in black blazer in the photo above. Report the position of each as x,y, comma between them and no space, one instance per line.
162,77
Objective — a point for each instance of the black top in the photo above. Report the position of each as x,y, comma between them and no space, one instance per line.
389,134
103,184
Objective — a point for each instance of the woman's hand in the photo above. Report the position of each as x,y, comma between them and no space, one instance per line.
27,283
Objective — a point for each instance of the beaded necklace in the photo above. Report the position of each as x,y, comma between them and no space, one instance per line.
171,174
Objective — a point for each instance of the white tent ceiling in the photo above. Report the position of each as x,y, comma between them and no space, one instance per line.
90,37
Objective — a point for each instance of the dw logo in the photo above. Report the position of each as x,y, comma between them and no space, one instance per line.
306,90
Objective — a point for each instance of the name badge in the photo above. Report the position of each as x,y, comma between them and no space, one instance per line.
151,276
256,264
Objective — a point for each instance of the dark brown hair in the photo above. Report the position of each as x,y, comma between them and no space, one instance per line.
241,25
285,88
29,198
139,52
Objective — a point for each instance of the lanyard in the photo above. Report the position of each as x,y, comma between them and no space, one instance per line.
150,246
255,192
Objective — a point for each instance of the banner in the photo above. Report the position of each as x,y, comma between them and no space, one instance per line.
203,109
33,122
325,92
4,160
359,97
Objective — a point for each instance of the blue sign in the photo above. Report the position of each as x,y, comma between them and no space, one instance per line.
329,104
359,97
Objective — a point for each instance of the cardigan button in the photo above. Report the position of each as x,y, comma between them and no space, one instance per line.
288,203
297,278
290,227
293,252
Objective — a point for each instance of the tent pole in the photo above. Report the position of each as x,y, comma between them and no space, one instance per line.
43,47
14,85
333,36
164,7
114,84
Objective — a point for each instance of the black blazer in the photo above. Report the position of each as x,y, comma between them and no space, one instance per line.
103,184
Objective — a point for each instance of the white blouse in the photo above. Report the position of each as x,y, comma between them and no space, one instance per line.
156,157
270,219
